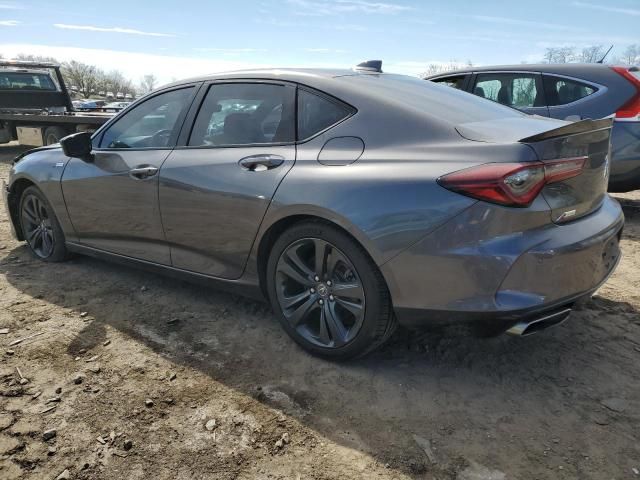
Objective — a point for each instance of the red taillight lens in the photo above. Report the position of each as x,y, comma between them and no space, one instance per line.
631,109
511,184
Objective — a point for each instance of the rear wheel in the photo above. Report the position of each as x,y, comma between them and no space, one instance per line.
53,135
40,227
328,294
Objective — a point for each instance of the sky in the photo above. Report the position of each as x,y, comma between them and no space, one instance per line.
178,39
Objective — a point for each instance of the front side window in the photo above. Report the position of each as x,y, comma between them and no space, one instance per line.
456,81
317,113
511,89
561,91
152,124
245,114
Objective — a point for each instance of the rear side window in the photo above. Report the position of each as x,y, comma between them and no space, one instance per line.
25,81
456,81
517,90
317,113
561,91
245,114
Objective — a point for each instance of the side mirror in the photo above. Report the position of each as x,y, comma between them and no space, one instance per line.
77,145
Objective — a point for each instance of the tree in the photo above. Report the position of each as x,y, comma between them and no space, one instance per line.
591,54
35,58
559,54
148,83
631,55
434,68
82,76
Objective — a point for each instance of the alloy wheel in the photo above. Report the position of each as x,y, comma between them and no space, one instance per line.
37,226
320,292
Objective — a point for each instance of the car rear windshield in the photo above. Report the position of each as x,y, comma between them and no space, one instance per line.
446,103
25,81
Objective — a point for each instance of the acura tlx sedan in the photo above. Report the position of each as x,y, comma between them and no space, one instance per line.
352,199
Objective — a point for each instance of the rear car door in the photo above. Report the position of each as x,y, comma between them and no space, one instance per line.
216,186
520,90
113,199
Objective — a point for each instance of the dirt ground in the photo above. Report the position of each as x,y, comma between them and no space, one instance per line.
147,377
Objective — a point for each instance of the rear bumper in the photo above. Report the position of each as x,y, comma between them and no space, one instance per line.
625,157
473,270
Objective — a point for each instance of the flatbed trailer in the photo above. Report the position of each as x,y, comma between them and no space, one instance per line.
39,117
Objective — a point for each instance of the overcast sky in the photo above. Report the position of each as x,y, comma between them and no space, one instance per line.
176,39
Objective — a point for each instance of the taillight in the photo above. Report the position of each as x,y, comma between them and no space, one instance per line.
631,109
511,184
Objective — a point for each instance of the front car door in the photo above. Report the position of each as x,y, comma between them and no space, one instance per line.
521,90
216,187
113,200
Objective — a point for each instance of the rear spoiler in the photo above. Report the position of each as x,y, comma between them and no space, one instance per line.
575,128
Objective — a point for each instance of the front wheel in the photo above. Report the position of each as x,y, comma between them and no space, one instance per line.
40,227
328,294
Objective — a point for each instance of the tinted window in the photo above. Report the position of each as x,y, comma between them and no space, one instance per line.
316,113
511,89
560,91
152,124
25,81
455,82
244,114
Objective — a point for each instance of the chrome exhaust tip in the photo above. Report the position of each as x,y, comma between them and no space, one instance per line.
522,329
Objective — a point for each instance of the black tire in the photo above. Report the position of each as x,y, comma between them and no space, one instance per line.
39,223
375,324
53,135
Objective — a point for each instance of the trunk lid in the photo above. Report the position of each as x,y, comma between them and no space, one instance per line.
554,140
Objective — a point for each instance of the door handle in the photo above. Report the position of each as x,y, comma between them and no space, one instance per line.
142,172
259,163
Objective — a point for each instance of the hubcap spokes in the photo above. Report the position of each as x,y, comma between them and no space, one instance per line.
320,293
37,226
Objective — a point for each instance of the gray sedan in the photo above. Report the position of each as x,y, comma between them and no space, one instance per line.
351,199
569,91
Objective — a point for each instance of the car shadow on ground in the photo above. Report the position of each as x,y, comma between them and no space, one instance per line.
458,391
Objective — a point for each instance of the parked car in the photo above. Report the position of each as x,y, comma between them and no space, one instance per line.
115,106
350,199
569,92
91,104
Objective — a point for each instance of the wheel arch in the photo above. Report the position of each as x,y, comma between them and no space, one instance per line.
15,193
277,227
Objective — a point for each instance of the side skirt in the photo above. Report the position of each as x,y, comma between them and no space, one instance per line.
239,287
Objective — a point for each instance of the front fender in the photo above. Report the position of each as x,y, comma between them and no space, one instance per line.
42,168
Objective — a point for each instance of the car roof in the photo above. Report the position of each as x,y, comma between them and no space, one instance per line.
18,69
284,74
559,68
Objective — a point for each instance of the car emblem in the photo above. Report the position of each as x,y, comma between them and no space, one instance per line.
322,290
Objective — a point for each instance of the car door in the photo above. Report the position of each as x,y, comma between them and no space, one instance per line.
112,200
216,187
520,90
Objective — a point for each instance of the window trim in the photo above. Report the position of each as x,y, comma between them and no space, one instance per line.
98,135
336,101
600,89
539,87
190,120
465,84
